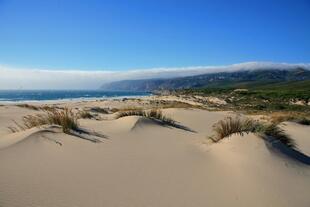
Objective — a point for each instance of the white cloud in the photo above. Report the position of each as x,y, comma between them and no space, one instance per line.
18,78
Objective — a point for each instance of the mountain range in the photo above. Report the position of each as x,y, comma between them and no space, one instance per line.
236,79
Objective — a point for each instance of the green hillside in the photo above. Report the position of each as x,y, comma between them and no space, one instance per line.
236,79
258,96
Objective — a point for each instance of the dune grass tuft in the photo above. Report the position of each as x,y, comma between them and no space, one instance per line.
28,106
155,114
85,115
37,108
128,108
64,118
237,125
100,110
130,113
299,118
158,115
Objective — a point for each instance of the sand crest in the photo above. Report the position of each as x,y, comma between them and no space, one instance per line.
142,163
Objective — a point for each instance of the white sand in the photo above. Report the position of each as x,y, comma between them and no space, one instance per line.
142,163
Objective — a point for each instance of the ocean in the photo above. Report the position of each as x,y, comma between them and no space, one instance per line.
53,95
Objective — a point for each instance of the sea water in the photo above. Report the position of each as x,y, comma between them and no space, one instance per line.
53,95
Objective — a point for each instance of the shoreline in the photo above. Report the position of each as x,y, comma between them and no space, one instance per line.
56,96
56,101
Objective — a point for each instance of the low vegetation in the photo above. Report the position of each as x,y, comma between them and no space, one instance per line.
278,117
28,106
159,104
37,108
237,125
171,104
130,113
155,114
259,98
64,118
229,126
100,110
85,115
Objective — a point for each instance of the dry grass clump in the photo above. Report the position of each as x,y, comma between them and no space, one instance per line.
37,108
283,118
158,115
28,106
100,110
49,108
279,117
130,113
114,110
64,118
159,104
152,114
85,115
172,104
229,126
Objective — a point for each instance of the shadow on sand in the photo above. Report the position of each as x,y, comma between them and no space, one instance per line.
88,135
146,121
275,145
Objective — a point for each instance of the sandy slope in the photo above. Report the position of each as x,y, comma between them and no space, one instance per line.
142,163
301,134
10,113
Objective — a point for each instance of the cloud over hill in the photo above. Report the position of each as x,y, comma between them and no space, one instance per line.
22,78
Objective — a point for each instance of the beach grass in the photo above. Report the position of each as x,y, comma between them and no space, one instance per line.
64,118
234,125
28,106
85,115
274,131
237,125
99,110
155,114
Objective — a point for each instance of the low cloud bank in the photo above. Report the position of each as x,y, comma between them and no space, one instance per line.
14,78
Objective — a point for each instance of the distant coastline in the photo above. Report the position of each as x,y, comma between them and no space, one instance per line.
13,96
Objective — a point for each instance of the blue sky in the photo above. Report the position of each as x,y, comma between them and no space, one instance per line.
137,34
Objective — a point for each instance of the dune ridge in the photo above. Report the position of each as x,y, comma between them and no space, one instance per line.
143,163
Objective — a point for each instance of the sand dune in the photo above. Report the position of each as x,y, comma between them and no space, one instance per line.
142,163
301,135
